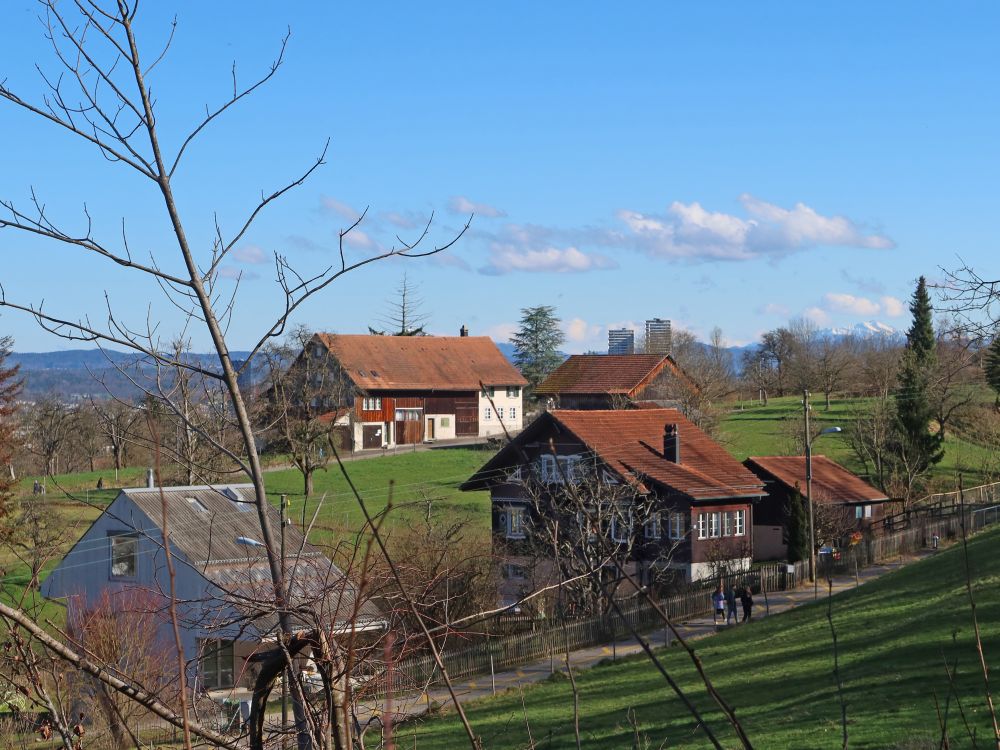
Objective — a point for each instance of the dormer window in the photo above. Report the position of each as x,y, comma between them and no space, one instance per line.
236,499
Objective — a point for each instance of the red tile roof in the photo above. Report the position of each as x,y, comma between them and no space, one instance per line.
608,373
630,443
421,363
831,481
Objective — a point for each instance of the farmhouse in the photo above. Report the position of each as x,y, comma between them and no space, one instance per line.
222,584
398,390
842,501
650,482
615,381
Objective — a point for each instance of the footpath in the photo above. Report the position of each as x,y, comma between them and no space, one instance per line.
409,706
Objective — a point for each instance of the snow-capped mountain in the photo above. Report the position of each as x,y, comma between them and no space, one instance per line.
867,328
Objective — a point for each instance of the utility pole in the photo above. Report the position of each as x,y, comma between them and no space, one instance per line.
287,672
809,497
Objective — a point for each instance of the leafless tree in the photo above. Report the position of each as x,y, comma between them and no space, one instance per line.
50,426
101,95
117,421
834,359
404,317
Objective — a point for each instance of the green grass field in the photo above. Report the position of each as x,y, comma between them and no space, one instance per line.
755,430
895,635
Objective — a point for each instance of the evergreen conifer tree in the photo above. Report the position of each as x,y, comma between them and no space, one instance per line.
914,411
992,368
797,527
536,343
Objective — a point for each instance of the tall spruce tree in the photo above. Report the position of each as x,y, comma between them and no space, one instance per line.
797,527
992,368
914,410
536,343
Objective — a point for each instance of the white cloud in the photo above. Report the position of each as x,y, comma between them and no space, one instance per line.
459,204
848,303
359,240
251,254
339,208
689,231
401,220
236,274
773,308
579,330
893,307
817,315
505,258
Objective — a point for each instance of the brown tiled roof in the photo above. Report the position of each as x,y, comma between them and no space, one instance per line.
624,374
421,363
631,444
831,482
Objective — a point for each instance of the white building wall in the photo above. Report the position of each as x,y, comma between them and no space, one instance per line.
505,411
444,426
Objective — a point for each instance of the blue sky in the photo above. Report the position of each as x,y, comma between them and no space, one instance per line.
718,164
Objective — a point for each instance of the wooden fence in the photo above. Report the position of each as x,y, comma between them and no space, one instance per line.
501,653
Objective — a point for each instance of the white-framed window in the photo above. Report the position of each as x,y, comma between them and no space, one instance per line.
513,412
568,468
859,511
372,404
547,467
621,526
409,415
217,664
703,525
739,522
514,474
513,391
676,525
714,525
489,390
652,528
727,523
868,511
515,522
487,414
124,555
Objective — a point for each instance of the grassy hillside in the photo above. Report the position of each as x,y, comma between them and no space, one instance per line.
755,430
894,636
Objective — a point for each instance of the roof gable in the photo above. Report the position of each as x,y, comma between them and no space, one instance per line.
624,374
453,363
631,444
830,482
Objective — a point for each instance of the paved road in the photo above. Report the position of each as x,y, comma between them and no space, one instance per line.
409,706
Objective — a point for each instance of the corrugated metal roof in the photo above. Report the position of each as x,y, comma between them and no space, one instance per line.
622,374
831,482
421,363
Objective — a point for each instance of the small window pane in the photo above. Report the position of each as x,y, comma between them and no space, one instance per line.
124,551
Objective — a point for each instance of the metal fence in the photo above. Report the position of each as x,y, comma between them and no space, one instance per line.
506,652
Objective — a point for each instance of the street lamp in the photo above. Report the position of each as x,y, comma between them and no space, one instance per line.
809,477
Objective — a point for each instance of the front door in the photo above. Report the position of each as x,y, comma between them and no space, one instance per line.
430,428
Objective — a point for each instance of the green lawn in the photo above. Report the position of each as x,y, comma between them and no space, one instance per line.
894,636
755,430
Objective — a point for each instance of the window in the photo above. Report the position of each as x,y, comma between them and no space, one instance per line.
868,511
859,511
703,525
513,572
513,519
739,525
675,523
621,526
568,468
547,467
513,391
489,390
513,412
124,555
408,415
652,527
217,664
713,525
487,414
727,524
372,404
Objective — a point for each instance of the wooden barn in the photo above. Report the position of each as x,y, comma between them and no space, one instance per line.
401,390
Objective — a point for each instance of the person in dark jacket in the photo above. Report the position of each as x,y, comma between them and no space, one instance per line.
731,605
746,599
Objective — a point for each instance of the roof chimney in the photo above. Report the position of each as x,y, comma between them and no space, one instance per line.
463,331
672,443
150,481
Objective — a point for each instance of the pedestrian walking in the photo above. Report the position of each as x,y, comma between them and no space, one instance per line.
731,615
718,604
746,599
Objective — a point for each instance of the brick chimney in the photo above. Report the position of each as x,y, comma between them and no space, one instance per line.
672,443
463,331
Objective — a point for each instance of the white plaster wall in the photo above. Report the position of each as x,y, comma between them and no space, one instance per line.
441,432
502,403
700,571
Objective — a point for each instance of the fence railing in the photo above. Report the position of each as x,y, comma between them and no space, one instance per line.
509,651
